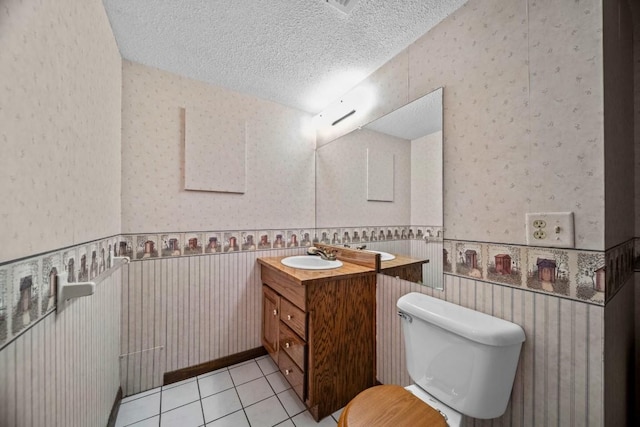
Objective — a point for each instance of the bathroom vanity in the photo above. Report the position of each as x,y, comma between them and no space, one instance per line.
404,267
401,267
319,327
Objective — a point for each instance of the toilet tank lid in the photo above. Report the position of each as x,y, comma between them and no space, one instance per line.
471,324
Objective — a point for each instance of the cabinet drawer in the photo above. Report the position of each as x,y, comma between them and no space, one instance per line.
293,317
292,373
291,343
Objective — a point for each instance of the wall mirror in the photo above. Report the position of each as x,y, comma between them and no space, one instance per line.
399,156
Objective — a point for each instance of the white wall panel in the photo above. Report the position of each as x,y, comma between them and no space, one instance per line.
63,371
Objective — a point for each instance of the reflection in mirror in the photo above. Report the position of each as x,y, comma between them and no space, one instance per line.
409,225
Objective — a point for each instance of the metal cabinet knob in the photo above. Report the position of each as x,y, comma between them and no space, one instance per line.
287,372
286,345
289,317
275,312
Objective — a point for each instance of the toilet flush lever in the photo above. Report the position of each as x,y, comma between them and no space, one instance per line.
405,316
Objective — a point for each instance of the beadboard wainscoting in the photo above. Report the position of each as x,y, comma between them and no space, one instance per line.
63,370
431,250
182,311
559,380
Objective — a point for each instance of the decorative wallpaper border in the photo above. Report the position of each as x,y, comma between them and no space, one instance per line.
159,245
27,286
590,276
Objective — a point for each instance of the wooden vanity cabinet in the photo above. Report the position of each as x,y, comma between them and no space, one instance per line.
404,268
325,344
270,321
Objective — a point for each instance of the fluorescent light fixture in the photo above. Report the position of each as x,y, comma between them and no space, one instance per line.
358,101
350,113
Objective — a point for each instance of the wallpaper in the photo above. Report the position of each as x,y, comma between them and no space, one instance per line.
60,112
341,187
523,114
280,167
523,131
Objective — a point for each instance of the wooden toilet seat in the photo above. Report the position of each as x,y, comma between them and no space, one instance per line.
389,405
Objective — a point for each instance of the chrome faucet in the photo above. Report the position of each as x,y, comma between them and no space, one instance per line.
359,247
322,253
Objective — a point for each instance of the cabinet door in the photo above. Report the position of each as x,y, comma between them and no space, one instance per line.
270,320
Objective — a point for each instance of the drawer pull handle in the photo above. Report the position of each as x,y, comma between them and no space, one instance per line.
286,345
275,312
287,372
289,317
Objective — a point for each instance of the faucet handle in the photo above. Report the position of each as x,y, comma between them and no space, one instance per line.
312,250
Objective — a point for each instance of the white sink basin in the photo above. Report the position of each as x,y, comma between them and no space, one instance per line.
310,262
384,256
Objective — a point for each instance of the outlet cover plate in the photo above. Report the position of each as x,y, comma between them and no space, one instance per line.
551,229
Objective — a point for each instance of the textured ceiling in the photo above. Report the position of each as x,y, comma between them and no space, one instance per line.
300,53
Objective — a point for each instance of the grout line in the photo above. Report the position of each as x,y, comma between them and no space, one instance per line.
204,418
235,387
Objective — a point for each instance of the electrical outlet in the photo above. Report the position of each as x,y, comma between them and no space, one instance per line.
539,234
553,229
539,223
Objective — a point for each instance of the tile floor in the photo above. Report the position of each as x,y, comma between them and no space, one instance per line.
249,394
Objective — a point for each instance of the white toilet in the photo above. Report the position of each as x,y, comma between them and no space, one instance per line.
462,362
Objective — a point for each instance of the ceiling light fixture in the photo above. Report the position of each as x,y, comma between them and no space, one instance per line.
350,113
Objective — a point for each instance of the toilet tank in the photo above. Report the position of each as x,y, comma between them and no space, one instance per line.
464,358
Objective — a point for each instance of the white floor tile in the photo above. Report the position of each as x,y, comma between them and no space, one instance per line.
266,413
237,419
149,422
217,371
267,365
291,402
336,415
278,382
215,383
218,397
180,395
221,404
178,384
139,395
237,365
306,420
245,373
185,416
138,409
254,391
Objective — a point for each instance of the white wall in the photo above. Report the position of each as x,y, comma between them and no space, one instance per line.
64,370
341,187
60,110
280,158
522,114
426,180
60,102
